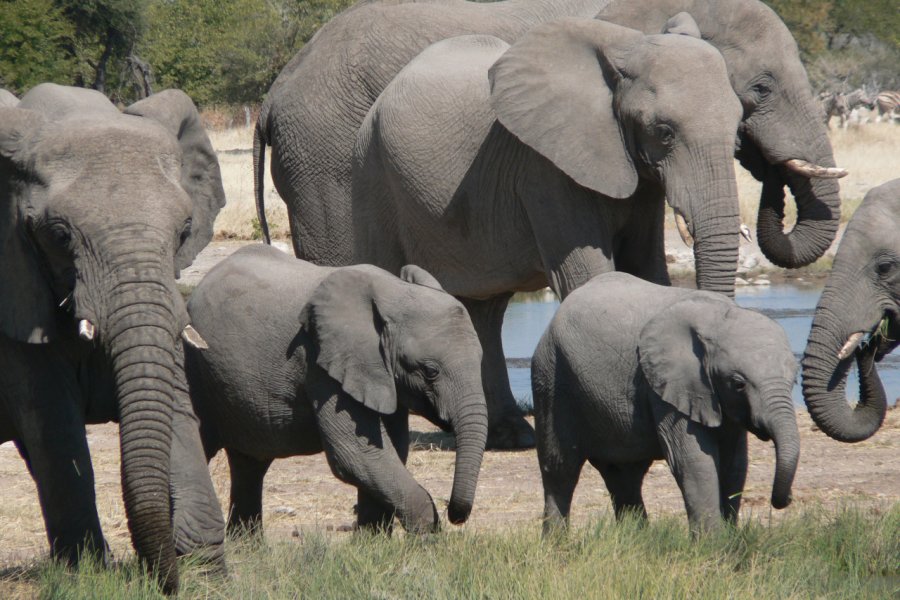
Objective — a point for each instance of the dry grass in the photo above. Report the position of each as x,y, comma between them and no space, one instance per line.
869,151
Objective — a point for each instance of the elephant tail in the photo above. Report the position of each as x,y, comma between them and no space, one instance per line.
259,173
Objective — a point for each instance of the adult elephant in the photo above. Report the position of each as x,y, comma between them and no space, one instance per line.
98,212
314,109
862,296
475,160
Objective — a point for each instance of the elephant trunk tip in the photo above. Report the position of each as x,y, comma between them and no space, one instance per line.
780,501
458,512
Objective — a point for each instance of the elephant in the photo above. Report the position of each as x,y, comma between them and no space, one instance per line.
314,109
7,98
303,359
629,372
578,117
100,210
861,296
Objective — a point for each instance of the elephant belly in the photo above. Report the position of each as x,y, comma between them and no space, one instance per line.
619,432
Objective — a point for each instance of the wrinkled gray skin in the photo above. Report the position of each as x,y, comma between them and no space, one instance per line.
304,359
579,117
94,213
629,372
7,98
862,290
314,109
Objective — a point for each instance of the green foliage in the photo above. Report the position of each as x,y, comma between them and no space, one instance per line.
850,553
34,37
229,51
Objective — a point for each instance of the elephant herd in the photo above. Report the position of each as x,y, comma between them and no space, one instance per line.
435,158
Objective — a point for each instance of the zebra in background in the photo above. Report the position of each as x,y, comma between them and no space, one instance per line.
839,104
888,103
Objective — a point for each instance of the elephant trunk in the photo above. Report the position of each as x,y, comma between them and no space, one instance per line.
714,224
140,330
826,364
469,421
781,424
817,197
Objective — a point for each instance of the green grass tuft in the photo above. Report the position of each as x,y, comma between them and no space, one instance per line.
848,553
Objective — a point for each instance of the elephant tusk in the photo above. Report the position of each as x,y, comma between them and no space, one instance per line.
851,345
193,337
681,224
86,330
745,233
808,169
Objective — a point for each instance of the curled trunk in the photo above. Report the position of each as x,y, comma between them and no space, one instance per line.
825,381
140,330
469,421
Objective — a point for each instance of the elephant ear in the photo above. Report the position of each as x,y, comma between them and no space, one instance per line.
27,309
683,24
554,90
343,316
419,276
200,174
674,354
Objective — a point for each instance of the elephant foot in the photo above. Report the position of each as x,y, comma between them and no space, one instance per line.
512,432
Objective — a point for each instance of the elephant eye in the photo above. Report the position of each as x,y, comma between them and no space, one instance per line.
60,235
884,267
738,383
664,133
431,372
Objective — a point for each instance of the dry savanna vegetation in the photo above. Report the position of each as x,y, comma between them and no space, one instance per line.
868,151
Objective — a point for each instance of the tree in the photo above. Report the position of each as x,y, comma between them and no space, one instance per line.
35,35
105,31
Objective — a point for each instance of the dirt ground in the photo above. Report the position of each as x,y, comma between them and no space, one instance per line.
301,493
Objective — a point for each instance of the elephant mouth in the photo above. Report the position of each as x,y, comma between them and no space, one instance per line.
879,339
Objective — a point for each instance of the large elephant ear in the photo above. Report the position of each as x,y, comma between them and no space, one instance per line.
554,90
343,317
27,310
200,174
674,354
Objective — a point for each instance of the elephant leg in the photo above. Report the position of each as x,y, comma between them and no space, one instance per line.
732,469
198,525
370,513
247,473
559,479
693,456
46,413
624,481
507,428
360,452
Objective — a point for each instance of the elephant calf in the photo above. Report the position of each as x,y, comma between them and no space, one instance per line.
629,372
303,359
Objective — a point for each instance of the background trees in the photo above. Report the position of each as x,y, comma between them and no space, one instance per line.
230,51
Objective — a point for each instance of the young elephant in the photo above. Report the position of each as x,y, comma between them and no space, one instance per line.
304,359
629,372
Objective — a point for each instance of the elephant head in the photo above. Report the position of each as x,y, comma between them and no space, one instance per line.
782,137
713,360
390,344
628,115
862,297
98,211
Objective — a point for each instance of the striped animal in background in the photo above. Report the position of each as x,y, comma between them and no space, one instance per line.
888,103
839,104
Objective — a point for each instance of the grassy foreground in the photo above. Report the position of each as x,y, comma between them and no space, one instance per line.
849,553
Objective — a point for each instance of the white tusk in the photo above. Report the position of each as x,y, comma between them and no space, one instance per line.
808,169
745,233
193,337
86,330
852,342
681,224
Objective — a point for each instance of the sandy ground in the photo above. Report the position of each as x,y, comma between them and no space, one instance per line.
301,493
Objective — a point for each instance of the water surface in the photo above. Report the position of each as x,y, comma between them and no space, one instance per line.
791,305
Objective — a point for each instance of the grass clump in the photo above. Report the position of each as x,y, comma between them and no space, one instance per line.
849,553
